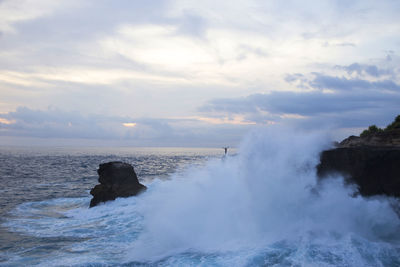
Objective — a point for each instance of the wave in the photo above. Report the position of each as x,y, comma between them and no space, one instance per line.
261,207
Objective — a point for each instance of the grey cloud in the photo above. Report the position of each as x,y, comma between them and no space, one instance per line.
60,39
344,44
92,18
54,124
294,77
192,24
245,50
362,69
229,105
322,81
347,44
300,80
354,103
346,110
307,104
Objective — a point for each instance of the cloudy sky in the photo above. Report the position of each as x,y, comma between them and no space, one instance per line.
193,73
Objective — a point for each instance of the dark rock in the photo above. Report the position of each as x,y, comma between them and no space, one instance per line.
388,138
117,179
375,170
371,161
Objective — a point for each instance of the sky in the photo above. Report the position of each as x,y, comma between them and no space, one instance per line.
193,73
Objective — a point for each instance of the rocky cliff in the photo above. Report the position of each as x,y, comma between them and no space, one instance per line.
371,162
381,139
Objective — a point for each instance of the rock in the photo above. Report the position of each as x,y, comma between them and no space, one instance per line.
374,169
371,161
117,179
389,138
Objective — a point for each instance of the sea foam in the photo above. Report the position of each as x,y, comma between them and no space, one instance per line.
266,195
263,206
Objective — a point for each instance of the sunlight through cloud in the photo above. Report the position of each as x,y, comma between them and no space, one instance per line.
129,124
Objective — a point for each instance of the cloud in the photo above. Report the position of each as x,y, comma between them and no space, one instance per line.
327,44
54,123
305,103
13,12
364,69
126,59
347,103
129,124
346,44
322,81
192,24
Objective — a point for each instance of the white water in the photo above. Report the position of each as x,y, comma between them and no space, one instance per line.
261,207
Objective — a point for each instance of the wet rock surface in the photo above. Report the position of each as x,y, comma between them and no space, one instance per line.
371,161
375,170
117,179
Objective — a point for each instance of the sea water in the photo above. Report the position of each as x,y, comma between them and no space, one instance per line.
262,206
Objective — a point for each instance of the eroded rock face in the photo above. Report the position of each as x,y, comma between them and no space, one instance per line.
389,138
371,162
375,170
117,179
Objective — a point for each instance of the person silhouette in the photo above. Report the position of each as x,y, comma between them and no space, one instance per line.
226,149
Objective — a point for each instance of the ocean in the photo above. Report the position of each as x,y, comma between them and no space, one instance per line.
260,205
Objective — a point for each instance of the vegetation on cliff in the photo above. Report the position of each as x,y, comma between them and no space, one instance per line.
373,129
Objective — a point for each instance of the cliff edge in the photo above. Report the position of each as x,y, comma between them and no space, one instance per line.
371,161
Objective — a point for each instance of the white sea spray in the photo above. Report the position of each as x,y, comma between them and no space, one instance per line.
265,195
260,207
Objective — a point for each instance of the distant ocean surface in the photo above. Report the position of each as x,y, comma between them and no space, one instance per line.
260,206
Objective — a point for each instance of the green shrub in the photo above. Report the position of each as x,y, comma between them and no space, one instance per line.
394,125
373,129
